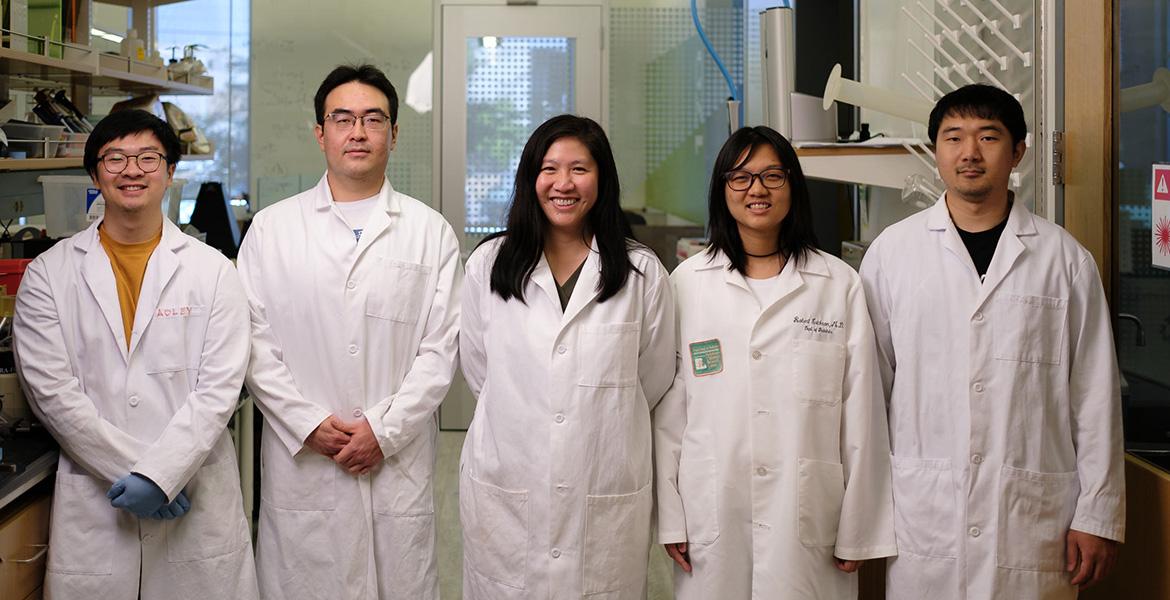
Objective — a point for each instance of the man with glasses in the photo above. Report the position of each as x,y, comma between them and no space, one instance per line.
997,355
131,341
354,294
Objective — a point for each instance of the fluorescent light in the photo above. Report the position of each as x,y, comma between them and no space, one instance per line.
105,35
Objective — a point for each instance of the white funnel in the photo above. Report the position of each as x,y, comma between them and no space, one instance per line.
873,98
1156,92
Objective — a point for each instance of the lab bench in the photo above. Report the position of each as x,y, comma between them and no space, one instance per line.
25,504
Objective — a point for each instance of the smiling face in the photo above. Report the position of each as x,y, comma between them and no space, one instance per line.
356,155
567,185
133,190
759,210
975,157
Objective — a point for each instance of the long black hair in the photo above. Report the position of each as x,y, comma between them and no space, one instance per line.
796,230
528,226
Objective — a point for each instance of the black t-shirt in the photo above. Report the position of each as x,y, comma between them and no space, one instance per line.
982,245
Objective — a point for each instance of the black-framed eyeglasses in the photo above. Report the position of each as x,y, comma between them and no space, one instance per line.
343,120
116,162
742,181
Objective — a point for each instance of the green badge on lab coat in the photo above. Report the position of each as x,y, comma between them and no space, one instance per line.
706,358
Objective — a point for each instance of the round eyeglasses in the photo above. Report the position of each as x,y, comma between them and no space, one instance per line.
741,181
345,120
116,162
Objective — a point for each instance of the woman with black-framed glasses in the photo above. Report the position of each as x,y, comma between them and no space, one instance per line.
772,453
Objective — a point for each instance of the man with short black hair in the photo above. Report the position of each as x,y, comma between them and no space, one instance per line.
131,339
354,294
1001,379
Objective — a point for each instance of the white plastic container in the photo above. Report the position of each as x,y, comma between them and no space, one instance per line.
73,202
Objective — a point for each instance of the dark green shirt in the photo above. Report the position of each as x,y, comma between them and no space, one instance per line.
565,291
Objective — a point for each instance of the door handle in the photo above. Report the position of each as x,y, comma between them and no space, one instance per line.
44,549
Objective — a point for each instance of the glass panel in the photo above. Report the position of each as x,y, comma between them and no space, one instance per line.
513,85
1143,342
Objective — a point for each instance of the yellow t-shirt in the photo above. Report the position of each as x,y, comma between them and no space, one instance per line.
129,264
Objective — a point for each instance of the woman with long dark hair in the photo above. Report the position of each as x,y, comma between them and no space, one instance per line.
567,342
772,453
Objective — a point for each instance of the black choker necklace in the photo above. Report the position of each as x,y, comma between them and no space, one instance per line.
762,255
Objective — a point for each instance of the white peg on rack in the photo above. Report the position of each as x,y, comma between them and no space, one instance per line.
939,93
970,30
915,153
1025,57
937,46
939,70
921,92
1015,19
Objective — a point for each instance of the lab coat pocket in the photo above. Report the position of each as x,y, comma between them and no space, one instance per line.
215,524
607,355
495,531
820,490
1029,328
698,486
924,506
302,482
84,524
1035,512
817,372
397,291
617,541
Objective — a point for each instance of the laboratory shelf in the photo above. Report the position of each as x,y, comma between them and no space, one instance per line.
27,71
884,166
39,164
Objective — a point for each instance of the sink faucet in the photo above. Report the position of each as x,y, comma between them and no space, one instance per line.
1141,333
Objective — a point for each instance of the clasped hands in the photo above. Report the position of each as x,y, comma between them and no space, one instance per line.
350,444
139,495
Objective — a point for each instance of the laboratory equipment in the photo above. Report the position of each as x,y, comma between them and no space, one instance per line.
838,88
778,57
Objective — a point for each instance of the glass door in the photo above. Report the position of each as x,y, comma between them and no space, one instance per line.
504,70
1142,329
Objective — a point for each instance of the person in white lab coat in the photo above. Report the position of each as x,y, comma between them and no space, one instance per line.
771,448
130,340
354,290
997,355
567,342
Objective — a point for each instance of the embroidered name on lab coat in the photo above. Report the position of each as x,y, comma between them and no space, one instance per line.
171,312
815,325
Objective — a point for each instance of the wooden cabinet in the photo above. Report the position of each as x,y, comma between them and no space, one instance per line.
24,539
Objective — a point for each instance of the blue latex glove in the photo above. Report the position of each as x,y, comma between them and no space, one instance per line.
136,494
175,509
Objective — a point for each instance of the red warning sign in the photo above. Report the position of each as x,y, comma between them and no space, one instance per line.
1161,182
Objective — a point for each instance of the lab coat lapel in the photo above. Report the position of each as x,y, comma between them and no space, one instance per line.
586,289
99,277
940,222
543,278
792,276
159,272
380,217
1007,251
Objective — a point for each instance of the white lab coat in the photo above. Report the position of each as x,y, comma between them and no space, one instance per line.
1004,410
779,460
366,330
555,486
160,408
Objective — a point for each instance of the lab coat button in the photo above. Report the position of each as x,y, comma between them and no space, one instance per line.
133,400
977,459
974,531
350,284
761,471
562,349
562,488
353,349
357,412
979,387
756,354
979,316
559,418
555,553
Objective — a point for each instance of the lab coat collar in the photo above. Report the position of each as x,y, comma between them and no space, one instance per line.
791,276
814,263
1009,249
584,291
99,277
388,200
